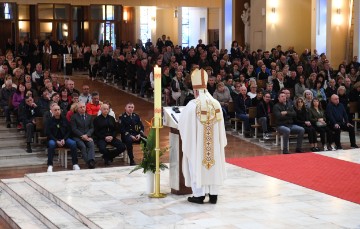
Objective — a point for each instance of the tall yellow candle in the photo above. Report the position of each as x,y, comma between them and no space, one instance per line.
157,96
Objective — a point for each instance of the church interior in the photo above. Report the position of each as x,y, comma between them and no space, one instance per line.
314,186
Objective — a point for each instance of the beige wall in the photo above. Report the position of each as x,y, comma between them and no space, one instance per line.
356,46
313,24
257,25
214,18
337,32
166,24
291,25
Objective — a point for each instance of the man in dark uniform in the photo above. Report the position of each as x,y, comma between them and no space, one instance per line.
131,129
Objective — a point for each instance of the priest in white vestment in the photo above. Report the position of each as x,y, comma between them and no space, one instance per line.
203,135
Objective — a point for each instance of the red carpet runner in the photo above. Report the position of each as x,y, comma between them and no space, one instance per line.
324,174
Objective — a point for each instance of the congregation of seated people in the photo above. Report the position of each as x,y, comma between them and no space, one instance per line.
69,117
275,82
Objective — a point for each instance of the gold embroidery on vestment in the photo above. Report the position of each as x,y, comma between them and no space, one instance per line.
208,154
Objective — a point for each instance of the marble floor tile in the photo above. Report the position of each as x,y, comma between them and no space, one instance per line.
18,216
112,197
351,155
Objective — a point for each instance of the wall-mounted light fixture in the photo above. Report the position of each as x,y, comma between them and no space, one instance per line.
176,13
337,17
152,17
21,25
273,7
65,30
125,16
86,25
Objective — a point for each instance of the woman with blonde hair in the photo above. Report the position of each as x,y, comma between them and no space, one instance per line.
308,97
222,94
72,111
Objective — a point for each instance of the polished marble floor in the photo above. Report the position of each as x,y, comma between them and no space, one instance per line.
113,198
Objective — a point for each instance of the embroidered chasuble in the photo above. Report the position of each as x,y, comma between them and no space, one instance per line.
203,141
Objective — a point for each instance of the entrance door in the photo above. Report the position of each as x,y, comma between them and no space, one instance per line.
7,31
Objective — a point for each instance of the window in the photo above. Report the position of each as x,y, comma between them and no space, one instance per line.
62,30
7,10
98,12
103,27
77,24
147,16
61,11
24,28
24,21
45,30
45,11
185,27
24,12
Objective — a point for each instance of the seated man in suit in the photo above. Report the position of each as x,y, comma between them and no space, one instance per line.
131,129
58,132
82,128
105,132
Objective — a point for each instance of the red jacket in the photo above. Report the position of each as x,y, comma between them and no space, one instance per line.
92,109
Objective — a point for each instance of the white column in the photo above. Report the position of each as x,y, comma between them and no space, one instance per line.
228,17
318,25
356,47
329,18
179,9
222,25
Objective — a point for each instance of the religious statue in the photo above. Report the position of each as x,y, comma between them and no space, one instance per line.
245,16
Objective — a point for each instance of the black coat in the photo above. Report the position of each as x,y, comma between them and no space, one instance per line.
58,129
28,113
301,117
287,119
262,109
242,104
104,126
